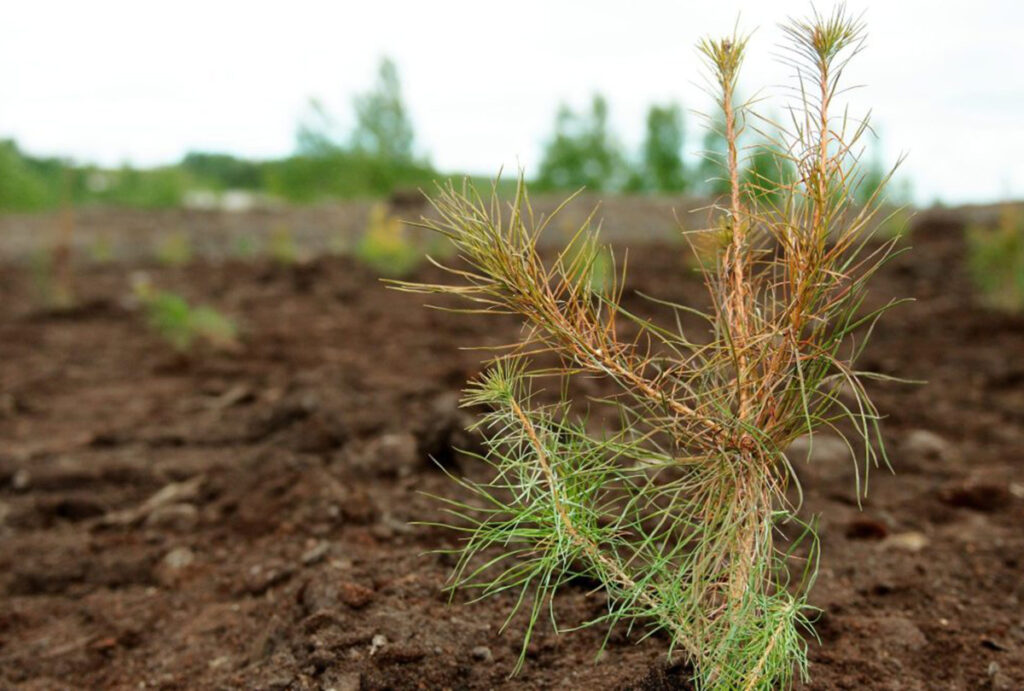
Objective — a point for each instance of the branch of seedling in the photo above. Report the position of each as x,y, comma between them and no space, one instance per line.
593,552
678,512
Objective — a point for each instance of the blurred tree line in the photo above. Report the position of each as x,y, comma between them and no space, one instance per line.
583,152
30,183
374,159
379,156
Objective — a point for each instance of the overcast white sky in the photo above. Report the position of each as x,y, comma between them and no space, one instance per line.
111,81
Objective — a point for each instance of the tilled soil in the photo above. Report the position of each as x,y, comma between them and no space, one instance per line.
248,519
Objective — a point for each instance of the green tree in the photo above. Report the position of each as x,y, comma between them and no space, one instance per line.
22,188
383,128
162,187
582,152
375,159
663,168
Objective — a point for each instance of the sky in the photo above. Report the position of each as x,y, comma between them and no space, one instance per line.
110,82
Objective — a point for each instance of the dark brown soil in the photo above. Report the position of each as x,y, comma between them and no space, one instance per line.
242,520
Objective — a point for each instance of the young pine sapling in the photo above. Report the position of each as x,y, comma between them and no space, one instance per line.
182,324
995,257
385,246
687,512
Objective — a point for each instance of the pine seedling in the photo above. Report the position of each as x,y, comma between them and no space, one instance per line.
182,324
174,249
282,246
996,260
385,245
687,512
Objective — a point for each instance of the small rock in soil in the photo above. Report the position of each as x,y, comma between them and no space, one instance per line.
911,541
354,595
483,653
997,680
401,654
394,526
239,393
390,455
902,632
262,577
926,444
323,594
823,448
378,643
21,480
219,662
169,570
174,517
173,493
318,595
829,458
316,554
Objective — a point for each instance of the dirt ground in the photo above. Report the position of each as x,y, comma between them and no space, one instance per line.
245,519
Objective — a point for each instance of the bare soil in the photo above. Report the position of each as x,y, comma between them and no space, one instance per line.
245,519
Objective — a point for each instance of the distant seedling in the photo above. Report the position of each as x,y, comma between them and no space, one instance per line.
282,246
385,245
996,260
682,511
183,325
174,249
